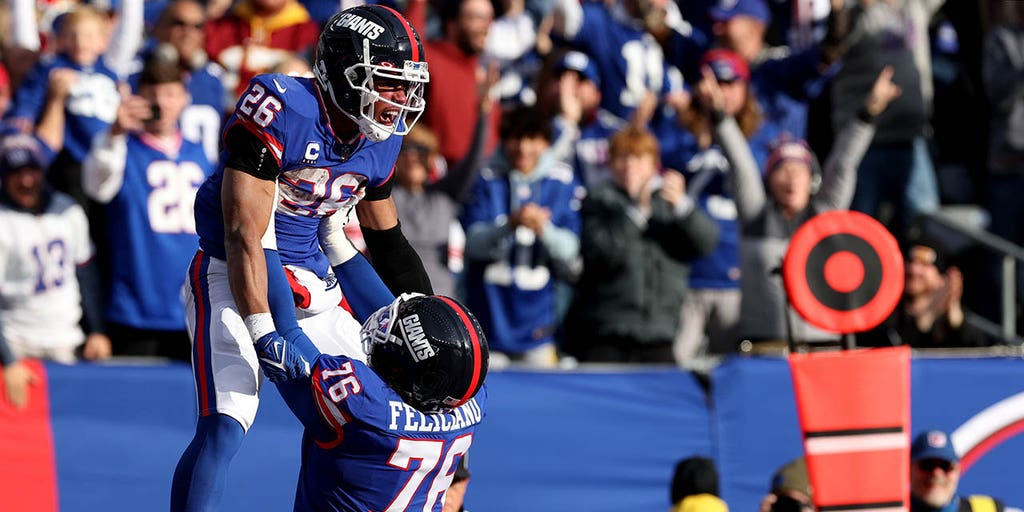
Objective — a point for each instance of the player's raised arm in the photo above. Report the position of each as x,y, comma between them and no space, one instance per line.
365,291
255,275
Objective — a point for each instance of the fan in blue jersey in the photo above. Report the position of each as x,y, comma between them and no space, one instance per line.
91,105
178,35
522,226
582,127
617,35
147,174
297,152
389,434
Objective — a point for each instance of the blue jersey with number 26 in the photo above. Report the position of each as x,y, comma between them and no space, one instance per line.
367,450
319,175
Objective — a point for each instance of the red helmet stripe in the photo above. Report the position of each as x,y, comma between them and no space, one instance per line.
474,340
409,32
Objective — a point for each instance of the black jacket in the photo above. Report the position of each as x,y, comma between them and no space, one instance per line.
634,273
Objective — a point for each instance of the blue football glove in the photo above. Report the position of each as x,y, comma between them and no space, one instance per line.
279,359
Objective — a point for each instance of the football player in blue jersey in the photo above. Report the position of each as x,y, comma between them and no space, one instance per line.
297,151
389,434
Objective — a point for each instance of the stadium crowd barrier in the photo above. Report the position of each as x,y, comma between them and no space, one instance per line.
107,437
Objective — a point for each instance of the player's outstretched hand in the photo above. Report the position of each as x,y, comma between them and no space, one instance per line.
278,360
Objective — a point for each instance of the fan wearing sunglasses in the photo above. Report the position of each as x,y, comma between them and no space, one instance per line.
935,474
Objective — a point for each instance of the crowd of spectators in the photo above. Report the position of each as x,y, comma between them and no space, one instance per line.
610,180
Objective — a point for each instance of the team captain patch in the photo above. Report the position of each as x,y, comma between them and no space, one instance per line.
415,339
365,27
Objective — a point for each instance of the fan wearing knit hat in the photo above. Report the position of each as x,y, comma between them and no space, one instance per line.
774,201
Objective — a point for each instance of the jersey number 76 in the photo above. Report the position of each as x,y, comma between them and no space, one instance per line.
428,452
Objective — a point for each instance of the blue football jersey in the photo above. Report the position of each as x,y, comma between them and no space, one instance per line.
319,175
706,178
513,296
91,106
367,450
628,59
591,156
152,234
784,84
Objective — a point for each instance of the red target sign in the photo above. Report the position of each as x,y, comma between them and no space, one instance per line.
843,272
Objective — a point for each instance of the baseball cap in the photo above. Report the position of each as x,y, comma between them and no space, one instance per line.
19,151
580,63
726,10
933,444
791,150
726,65
792,477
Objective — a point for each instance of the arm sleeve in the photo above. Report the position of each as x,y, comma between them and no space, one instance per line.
748,190
90,286
606,229
23,21
798,75
561,237
103,169
486,242
683,238
571,14
840,173
127,38
363,288
282,307
396,261
566,135
382,191
561,243
30,97
485,237
248,154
